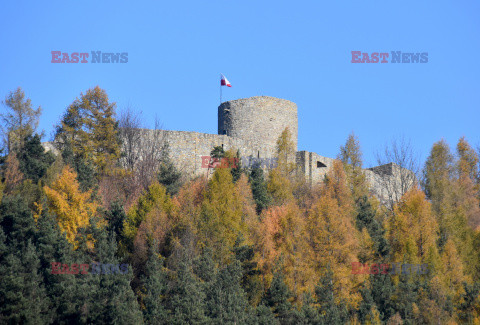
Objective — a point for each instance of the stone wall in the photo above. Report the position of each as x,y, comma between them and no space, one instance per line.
313,166
259,120
387,182
187,148
252,126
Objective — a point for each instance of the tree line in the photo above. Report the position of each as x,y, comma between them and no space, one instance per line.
241,247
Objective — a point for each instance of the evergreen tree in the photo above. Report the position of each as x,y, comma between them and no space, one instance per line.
469,306
237,169
186,301
23,297
115,218
265,316
277,298
155,283
309,313
169,176
377,293
226,301
84,168
259,188
250,281
119,304
217,152
331,311
366,219
205,268
33,159
53,246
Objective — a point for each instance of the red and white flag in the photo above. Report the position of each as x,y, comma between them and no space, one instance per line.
224,81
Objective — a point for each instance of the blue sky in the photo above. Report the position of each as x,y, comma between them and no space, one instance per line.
297,50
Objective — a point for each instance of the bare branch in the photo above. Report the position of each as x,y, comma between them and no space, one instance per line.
397,171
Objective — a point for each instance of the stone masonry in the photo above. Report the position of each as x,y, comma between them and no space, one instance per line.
252,126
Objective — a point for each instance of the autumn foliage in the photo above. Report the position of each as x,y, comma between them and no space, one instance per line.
235,246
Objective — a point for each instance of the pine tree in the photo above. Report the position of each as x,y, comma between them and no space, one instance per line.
237,170
33,159
366,219
277,298
331,311
119,304
155,282
23,298
115,218
469,308
53,246
84,168
226,301
186,301
250,281
217,152
259,189
169,176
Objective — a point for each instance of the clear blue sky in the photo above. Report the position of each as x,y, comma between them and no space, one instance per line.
297,50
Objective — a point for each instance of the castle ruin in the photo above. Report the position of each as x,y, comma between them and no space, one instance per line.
252,126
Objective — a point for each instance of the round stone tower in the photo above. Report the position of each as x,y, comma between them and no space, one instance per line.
259,119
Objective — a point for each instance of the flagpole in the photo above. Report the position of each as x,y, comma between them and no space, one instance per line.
220,89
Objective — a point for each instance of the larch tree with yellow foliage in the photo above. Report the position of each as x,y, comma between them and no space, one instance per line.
72,207
332,234
221,221
351,157
282,179
284,240
467,168
90,130
413,230
154,204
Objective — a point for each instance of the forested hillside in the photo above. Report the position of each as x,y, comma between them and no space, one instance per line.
241,247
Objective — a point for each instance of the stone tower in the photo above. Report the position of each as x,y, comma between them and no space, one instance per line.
259,119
